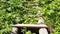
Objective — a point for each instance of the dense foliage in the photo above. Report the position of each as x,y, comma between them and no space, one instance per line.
15,11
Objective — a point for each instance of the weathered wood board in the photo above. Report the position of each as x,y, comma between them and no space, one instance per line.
30,25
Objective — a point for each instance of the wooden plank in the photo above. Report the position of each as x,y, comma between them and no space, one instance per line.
30,25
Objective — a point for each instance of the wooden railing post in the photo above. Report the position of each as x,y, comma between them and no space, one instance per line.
14,30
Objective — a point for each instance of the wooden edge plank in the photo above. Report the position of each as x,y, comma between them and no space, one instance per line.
30,25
